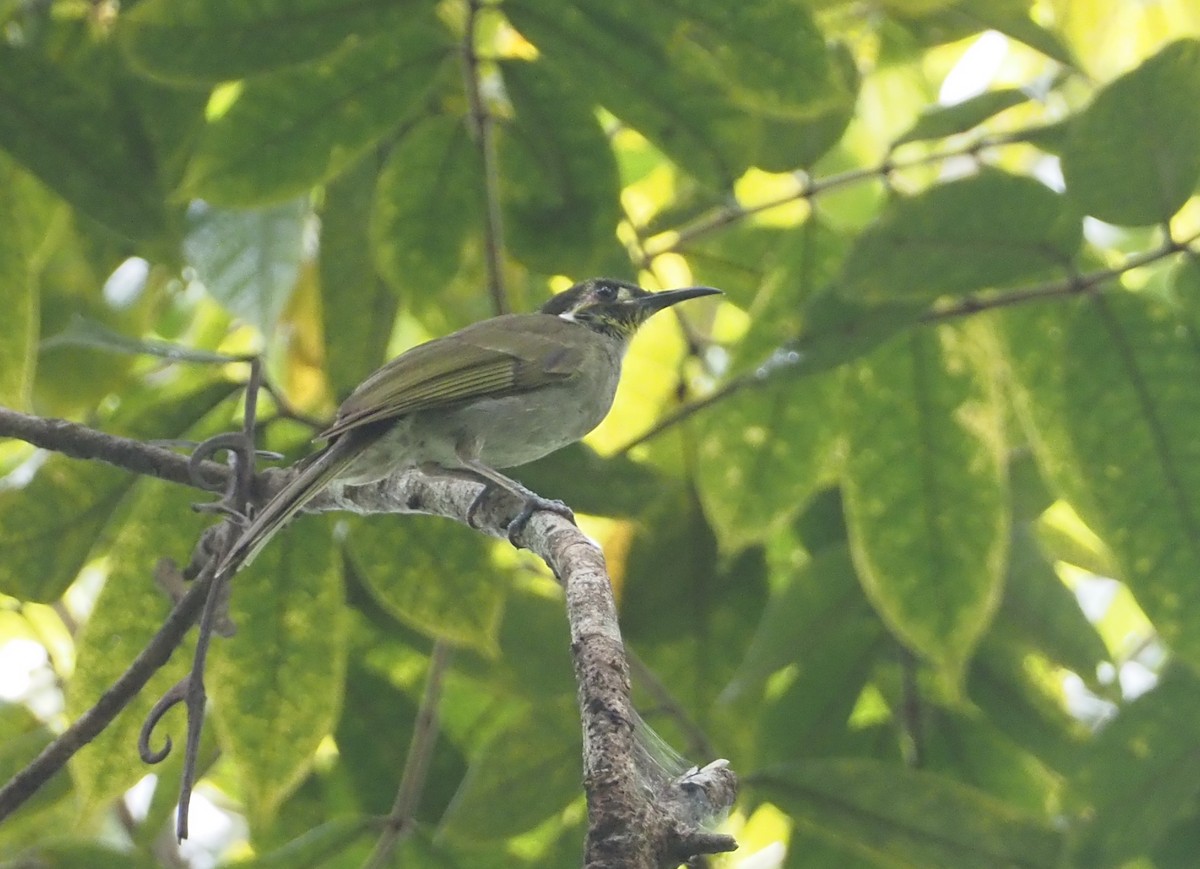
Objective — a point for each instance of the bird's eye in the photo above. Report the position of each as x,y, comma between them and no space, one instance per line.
606,293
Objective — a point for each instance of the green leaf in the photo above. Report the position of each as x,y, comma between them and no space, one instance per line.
904,818
1038,607
986,231
22,738
248,260
77,143
539,757
837,331
680,600
1026,707
1034,347
290,130
591,483
926,490
1131,157
322,846
18,291
434,576
535,643
82,332
1130,366
219,40
769,56
762,454
1012,18
1185,288
559,183
1140,774
696,126
358,308
68,853
819,602
277,684
970,749
942,121
427,203
374,766
785,143
49,528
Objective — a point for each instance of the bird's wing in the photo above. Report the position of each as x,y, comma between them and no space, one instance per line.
502,356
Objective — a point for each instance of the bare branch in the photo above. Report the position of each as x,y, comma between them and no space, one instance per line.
80,442
89,725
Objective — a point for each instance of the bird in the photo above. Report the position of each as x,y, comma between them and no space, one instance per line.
495,395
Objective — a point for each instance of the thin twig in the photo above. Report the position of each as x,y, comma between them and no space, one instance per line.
482,122
807,188
416,766
89,725
214,605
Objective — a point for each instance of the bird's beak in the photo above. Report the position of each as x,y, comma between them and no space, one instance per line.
657,301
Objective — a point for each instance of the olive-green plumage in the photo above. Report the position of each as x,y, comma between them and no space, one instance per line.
496,394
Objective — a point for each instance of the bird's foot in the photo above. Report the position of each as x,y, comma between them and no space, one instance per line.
533,503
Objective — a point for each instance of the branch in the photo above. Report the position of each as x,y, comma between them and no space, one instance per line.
89,725
807,188
80,442
629,825
482,121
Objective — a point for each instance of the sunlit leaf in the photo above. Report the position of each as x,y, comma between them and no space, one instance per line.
358,308
763,454
130,609
943,121
1131,157
943,242
428,201
199,40
50,528
18,293
290,130
1130,370
432,575
1141,773
925,490
277,684
905,818
248,260
537,756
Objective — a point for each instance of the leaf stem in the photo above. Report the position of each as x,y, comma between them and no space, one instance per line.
482,122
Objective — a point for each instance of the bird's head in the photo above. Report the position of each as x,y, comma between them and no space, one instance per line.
615,307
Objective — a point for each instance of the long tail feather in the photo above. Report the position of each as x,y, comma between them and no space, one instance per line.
319,473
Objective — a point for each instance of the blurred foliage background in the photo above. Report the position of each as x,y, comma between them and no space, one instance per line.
907,526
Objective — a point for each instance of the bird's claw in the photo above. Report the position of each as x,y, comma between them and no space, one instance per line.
533,503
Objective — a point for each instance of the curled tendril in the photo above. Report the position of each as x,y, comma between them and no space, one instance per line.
174,696
234,442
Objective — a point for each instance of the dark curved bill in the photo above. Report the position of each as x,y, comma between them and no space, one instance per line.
658,301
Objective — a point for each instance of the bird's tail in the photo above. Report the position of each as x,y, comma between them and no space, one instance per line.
301,489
